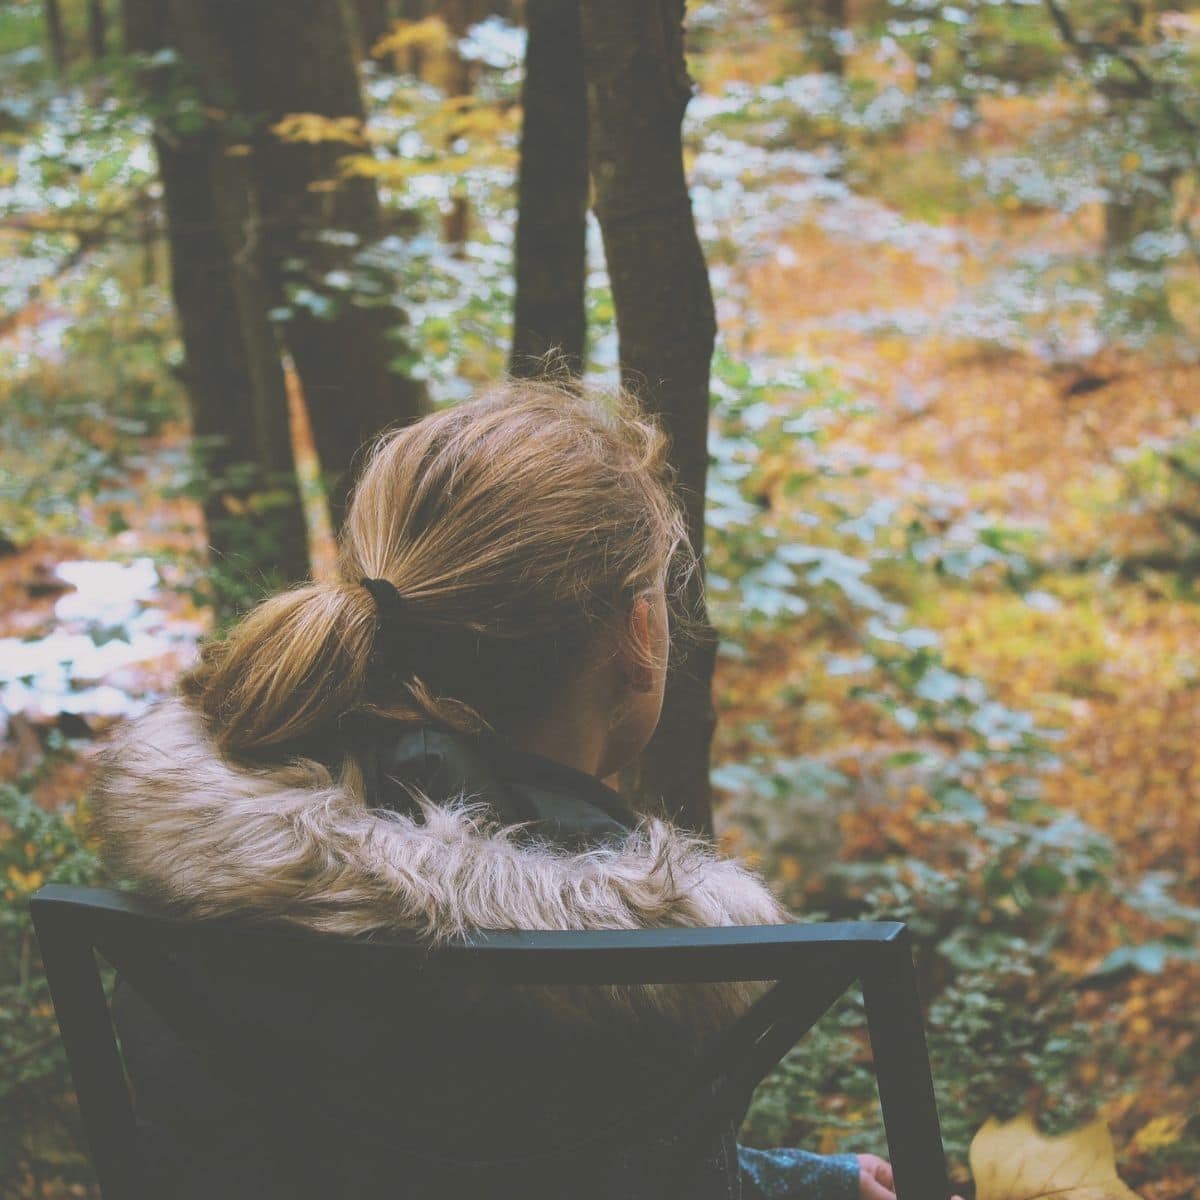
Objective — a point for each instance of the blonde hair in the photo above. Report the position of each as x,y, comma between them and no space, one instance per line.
513,525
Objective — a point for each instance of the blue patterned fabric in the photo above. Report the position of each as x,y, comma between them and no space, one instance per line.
789,1174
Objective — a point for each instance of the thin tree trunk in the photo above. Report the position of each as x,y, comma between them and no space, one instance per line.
552,192
413,60
296,56
374,18
822,20
97,29
55,35
1148,208
828,23
1140,202
458,79
232,371
638,88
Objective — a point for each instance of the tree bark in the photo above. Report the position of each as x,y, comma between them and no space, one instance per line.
552,193
56,36
828,23
374,18
1148,208
295,56
822,21
412,60
638,88
254,515
457,78
97,20
232,372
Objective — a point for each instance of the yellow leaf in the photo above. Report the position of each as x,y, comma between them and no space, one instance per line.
790,870
315,128
1013,1161
1161,1132
429,33
26,881
1130,161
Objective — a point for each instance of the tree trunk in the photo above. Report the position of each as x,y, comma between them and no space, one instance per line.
374,18
253,514
412,60
826,48
253,511
638,88
295,56
1146,206
552,192
97,20
821,21
456,76
56,37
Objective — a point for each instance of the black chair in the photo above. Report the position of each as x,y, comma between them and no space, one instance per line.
813,965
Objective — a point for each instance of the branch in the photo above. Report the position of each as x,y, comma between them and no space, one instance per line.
88,237
1092,50
10,320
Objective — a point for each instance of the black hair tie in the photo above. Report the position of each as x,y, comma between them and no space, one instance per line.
389,604
390,649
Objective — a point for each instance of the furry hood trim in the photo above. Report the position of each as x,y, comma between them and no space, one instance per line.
209,838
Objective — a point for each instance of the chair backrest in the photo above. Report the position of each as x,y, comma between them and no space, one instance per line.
812,966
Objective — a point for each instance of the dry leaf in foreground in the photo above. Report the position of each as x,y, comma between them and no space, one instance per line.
1013,1161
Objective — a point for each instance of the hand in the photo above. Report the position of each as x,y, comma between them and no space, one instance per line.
875,1179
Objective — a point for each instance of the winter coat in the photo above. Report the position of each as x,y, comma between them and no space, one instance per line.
457,833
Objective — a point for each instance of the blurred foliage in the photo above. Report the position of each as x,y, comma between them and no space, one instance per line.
37,846
982,884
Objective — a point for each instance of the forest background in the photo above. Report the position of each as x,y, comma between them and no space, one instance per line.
953,458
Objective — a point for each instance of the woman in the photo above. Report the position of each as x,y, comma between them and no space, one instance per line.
421,746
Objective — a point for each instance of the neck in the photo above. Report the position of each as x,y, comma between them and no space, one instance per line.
566,736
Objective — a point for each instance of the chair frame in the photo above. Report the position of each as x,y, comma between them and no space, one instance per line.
813,965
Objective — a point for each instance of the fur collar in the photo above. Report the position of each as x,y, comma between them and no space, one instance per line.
212,839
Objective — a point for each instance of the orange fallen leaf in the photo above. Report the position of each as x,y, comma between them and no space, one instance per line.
1013,1161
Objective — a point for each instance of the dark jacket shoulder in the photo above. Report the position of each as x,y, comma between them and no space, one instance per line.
550,800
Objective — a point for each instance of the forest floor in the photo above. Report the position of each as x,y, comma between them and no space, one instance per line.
1008,434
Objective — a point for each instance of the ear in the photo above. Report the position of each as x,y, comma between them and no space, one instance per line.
639,632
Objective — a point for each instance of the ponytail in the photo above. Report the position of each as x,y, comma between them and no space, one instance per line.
288,669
